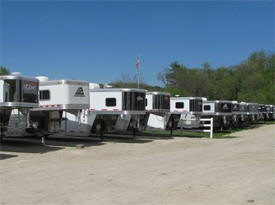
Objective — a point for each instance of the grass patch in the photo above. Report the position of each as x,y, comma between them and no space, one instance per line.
226,134
177,133
267,122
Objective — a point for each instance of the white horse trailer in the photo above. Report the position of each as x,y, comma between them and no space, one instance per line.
18,94
122,109
253,112
220,111
239,114
269,112
111,110
157,109
272,113
186,111
56,97
261,109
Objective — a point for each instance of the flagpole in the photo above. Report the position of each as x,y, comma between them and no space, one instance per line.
138,76
138,70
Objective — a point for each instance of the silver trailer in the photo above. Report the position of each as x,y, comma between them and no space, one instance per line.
220,111
18,94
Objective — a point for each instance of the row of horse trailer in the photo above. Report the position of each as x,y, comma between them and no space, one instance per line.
41,107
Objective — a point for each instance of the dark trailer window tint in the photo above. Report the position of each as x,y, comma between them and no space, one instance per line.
11,92
29,91
195,105
44,95
133,100
110,102
206,107
224,107
161,102
166,102
179,105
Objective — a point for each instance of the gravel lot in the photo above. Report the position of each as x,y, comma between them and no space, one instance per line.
148,170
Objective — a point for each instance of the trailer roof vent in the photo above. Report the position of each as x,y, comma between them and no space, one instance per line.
42,78
93,85
16,73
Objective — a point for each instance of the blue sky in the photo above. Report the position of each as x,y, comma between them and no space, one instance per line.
99,41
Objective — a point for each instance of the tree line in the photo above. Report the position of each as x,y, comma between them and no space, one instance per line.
252,80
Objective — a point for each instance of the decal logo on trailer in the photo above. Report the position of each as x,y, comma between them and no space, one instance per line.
79,92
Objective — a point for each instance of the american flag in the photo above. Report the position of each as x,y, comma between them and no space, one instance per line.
138,62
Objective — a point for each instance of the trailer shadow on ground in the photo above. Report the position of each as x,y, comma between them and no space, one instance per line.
7,156
73,141
155,135
124,138
33,145
26,146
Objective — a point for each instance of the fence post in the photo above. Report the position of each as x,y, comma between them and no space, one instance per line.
211,128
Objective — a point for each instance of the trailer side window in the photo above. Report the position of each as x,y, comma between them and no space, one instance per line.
179,105
110,102
206,107
44,94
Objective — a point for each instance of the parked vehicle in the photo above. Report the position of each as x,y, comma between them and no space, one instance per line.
18,94
186,111
220,111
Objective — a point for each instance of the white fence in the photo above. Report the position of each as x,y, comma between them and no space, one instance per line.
210,126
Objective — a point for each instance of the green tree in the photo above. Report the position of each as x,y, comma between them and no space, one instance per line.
4,71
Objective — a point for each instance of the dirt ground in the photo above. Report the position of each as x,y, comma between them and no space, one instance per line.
147,170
